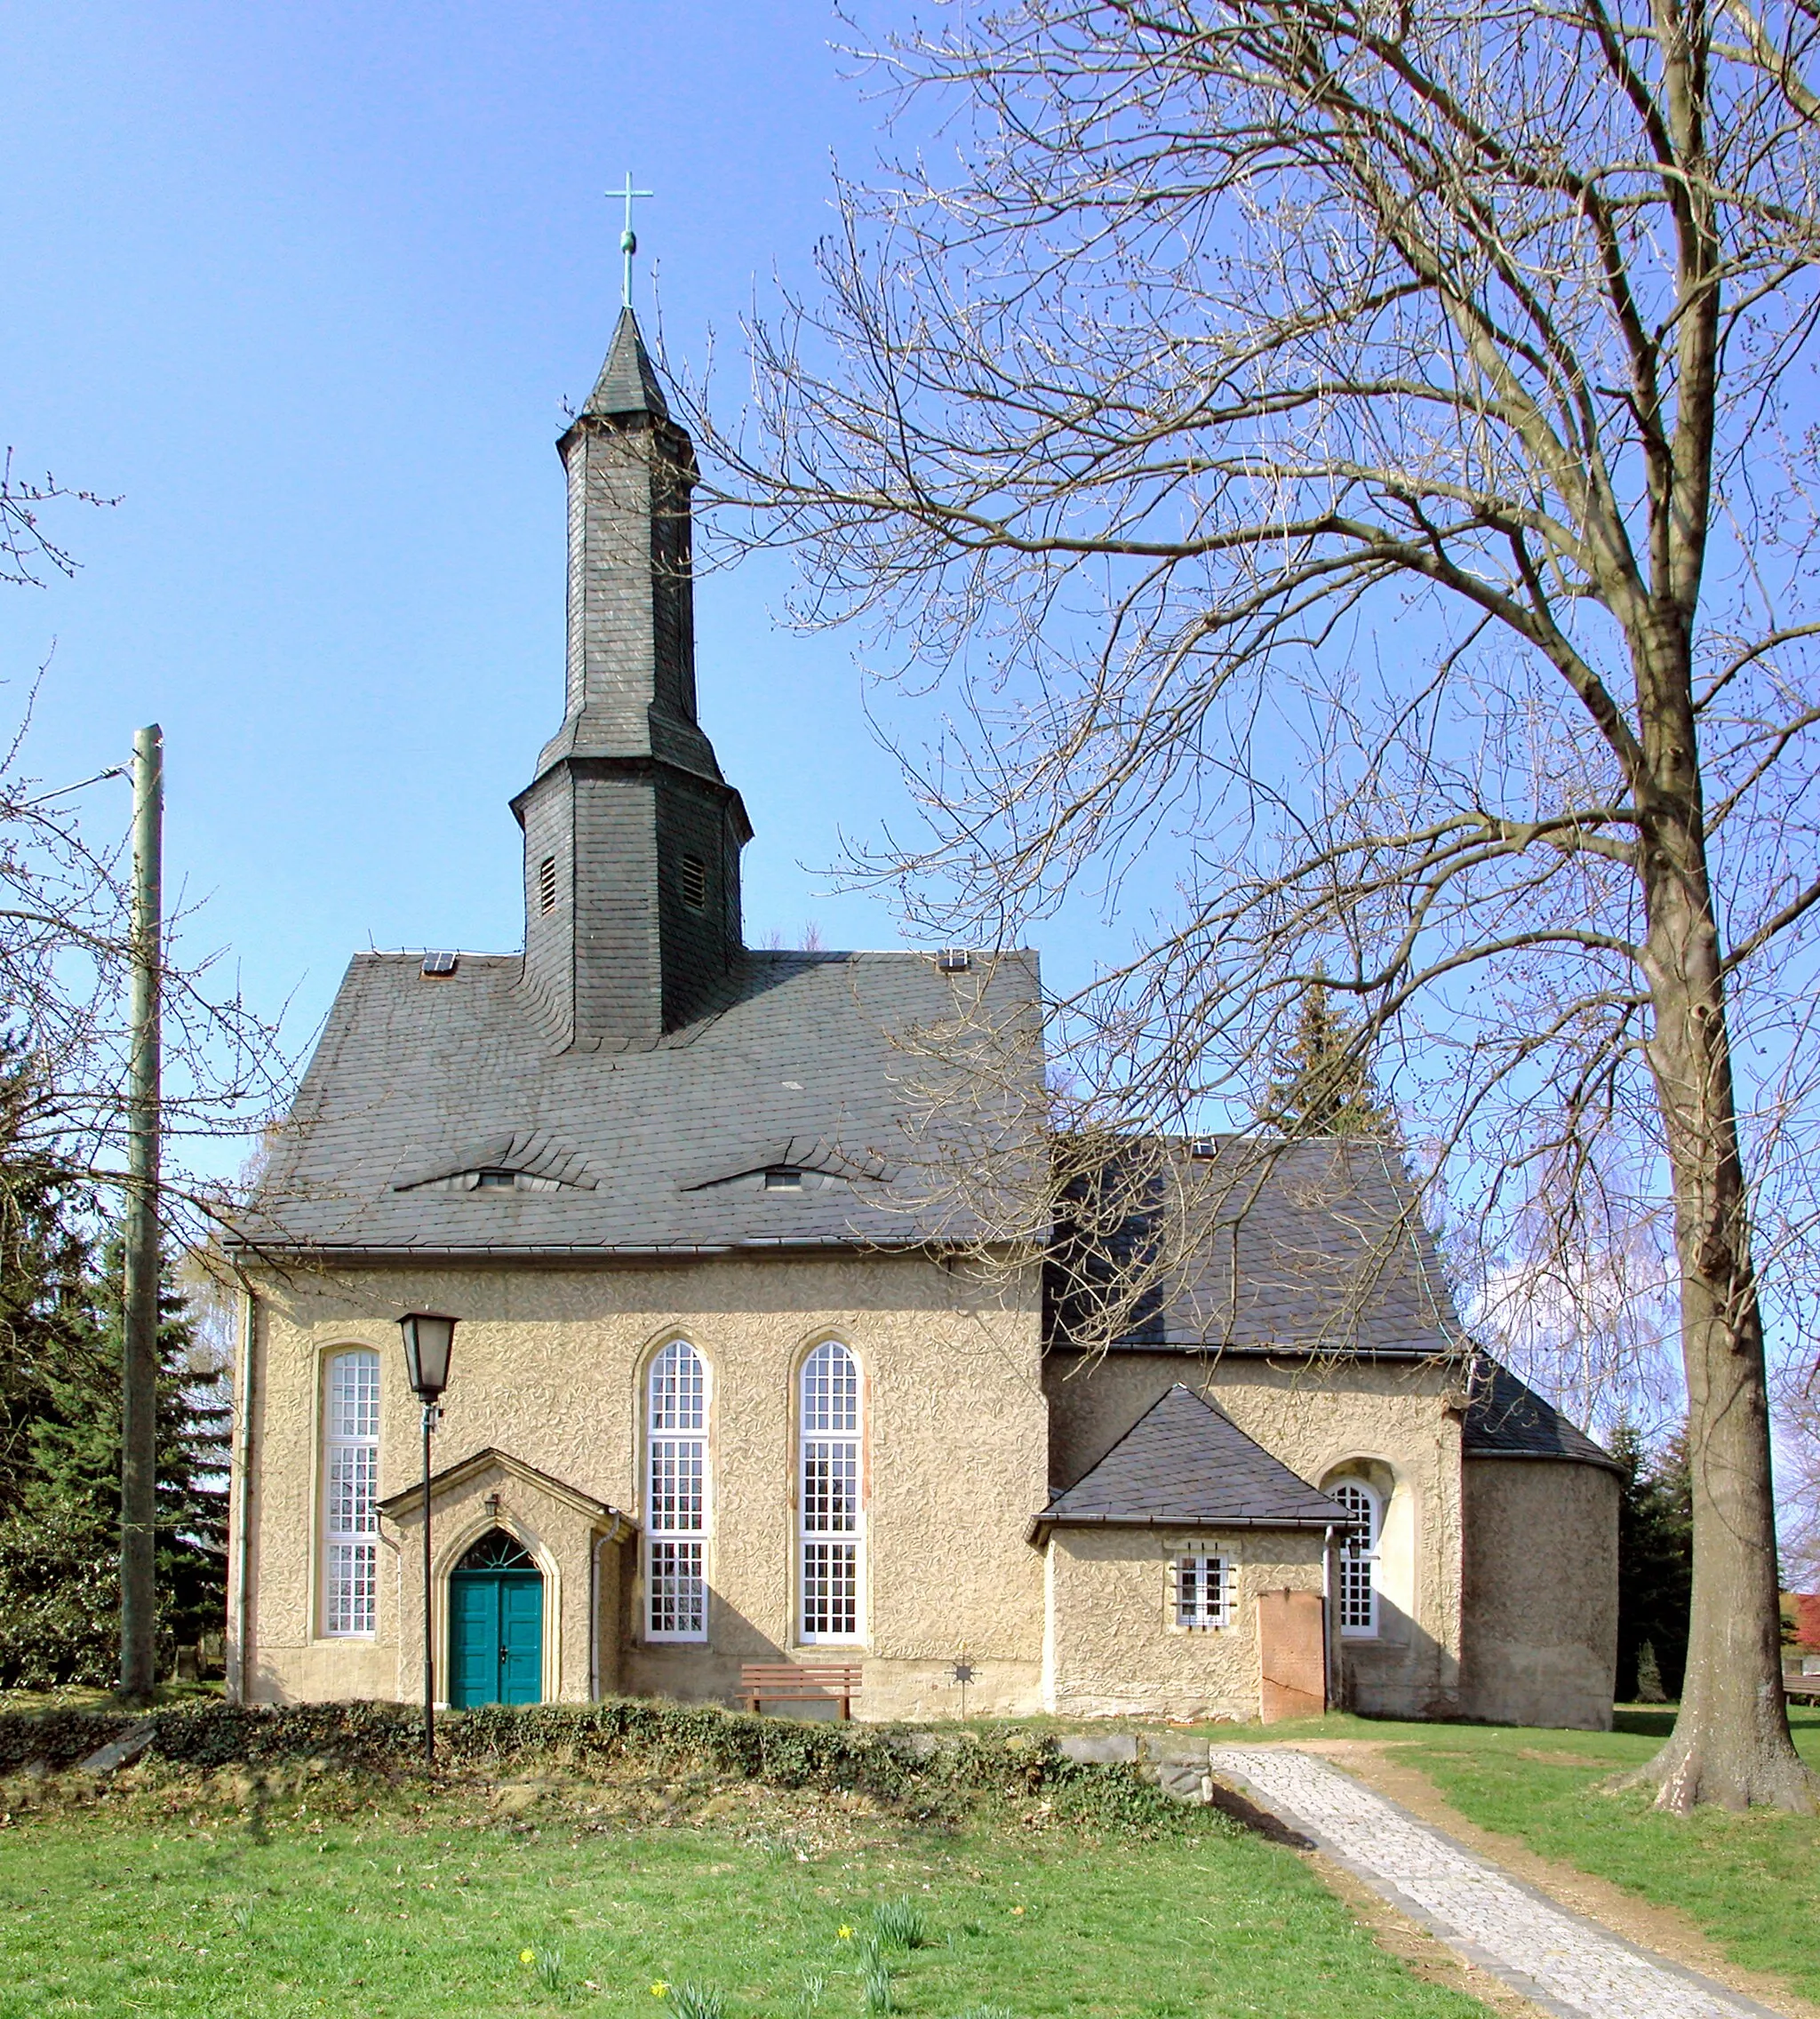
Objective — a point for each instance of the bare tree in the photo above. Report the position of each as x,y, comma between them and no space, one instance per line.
66,960
1363,445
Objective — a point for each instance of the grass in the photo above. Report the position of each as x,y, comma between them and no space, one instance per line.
196,1903
1751,1882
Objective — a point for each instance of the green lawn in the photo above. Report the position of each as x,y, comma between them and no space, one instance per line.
405,1917
1751,1883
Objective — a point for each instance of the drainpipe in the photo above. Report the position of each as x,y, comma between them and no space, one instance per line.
594,1621
243,1470
1326,1632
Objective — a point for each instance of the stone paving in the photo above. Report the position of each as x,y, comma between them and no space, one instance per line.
1563,1962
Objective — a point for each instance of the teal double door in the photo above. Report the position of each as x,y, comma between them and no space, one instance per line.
496,1637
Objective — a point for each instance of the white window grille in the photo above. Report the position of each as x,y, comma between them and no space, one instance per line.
1358,1594
830,1523
676,1514
1203,1592
350,1488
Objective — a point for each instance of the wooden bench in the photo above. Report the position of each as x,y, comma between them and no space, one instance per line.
793,1682
1802,1687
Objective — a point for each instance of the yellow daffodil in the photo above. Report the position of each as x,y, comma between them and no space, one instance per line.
843,1933
527,1957
660,1989
1016,1910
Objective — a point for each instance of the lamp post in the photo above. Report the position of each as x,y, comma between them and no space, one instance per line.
428,1339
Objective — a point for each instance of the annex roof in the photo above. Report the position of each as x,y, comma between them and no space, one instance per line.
1505,1419
836,1062
1186,1462
1312,1247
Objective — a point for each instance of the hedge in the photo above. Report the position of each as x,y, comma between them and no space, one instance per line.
387,1739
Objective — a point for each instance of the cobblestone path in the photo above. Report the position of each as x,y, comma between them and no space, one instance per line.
1565,1963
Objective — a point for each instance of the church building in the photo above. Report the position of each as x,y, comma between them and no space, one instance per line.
733,1382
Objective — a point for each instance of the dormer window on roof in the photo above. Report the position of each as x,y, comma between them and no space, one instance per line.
495,1180
783,1178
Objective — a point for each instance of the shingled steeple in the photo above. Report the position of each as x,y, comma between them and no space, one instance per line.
632,837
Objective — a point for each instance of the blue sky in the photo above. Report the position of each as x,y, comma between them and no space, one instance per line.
306,288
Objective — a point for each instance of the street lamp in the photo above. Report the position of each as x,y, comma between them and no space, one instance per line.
428,1339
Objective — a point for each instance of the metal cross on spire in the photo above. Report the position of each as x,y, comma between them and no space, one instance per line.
628,238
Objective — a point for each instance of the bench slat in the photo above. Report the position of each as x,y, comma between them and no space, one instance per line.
801,1682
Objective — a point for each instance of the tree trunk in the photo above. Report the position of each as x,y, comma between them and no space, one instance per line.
1731,1744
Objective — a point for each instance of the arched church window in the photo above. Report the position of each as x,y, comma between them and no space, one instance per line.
498,1551
1359,1557
350,1483
675,1525
831,1522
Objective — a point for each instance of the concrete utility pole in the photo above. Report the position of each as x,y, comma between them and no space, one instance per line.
139,1444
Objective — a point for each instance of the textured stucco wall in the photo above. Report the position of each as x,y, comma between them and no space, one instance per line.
1541,1592
1113,1647
550,1366
1392,1422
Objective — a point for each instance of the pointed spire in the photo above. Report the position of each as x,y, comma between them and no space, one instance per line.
628,381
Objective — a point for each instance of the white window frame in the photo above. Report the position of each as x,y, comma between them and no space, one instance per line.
675,1518
350,1521
1192,1579
1357,1565
830,1498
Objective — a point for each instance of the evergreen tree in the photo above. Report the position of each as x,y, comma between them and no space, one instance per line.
1326,1085
61,1356
1655,1560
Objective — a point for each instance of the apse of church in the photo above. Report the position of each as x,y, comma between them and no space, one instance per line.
726,1390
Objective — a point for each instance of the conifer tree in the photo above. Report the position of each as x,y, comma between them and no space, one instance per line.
1655,1560
1326,1085
60,1443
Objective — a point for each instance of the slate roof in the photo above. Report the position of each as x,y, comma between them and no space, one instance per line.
1315,1246
816,1060
1186,1462
628,382
1505,1419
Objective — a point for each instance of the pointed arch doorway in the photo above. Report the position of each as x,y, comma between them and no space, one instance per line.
496,1624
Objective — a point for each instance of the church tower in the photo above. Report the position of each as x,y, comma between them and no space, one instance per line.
632,837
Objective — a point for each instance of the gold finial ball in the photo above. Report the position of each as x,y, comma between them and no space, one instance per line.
628,241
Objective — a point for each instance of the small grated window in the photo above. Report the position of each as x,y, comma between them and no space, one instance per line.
694,883
436,965
495,1180
783,1178
546,885
1203,1592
